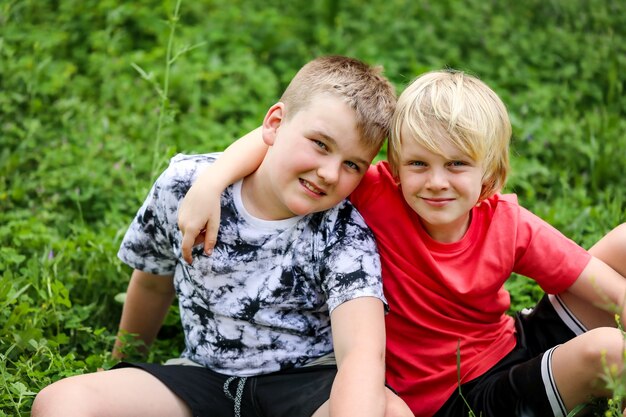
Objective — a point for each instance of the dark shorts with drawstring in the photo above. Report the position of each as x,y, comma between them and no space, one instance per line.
297,392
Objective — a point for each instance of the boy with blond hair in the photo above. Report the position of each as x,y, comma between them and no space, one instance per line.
447,250
286,318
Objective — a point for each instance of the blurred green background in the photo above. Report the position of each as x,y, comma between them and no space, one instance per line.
80,142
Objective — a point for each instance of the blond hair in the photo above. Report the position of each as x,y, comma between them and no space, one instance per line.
454,108
359,85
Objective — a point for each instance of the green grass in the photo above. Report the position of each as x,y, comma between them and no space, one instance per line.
82,134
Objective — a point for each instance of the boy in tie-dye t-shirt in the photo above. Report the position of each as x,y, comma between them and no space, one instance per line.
286,317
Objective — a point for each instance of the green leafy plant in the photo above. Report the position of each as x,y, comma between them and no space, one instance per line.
78,150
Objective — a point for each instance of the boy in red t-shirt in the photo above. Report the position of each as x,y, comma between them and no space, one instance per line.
448,241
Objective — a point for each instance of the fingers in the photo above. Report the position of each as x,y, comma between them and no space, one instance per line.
210,236
198,226
200,238
187,244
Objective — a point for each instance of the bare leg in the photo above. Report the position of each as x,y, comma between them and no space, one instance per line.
120,392
578,364
323,411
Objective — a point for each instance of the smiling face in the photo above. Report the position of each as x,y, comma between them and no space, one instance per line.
441,189
316,159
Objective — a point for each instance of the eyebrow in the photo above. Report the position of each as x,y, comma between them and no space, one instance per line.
460,157
450,157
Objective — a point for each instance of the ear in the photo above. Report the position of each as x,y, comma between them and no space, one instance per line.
272,121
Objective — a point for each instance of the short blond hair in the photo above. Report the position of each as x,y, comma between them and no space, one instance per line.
455,108
359,85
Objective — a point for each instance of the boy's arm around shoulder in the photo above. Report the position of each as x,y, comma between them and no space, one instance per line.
148,299
199,212
359,341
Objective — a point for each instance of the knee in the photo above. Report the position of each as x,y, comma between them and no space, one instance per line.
62,398
621,229
43,402
604,347
618,235
48,401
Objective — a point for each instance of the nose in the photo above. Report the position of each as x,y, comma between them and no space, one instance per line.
437,179
329,171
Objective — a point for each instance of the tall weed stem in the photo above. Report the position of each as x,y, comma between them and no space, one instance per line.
165,89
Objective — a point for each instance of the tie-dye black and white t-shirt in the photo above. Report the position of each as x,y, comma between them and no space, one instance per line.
262,301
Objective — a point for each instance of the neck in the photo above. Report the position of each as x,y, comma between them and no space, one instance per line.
260,199
451,232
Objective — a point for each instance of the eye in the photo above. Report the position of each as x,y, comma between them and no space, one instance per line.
417,163
320,144
458,163
352,166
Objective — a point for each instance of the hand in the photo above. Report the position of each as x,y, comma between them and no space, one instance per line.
199,220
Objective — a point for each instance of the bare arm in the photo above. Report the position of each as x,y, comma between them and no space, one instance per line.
200,209
359,340
602,288
148,299
612,249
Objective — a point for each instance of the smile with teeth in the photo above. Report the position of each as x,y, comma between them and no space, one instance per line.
312,187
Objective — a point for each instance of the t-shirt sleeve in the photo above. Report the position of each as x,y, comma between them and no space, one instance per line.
550,258
350,264
152,241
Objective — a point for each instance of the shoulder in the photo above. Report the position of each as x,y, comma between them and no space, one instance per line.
344,213
508,206
525,228
182,165
377,174
338,227
377,183
347,256
182,171
503,211
501,202
500,208
183,160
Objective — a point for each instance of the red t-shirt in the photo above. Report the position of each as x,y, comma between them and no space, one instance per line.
442,294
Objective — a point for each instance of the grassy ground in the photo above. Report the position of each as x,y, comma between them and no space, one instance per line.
84,130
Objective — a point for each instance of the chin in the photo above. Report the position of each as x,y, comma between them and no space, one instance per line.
303,210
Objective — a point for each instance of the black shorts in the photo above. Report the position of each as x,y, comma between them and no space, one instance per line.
521,384
297,392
